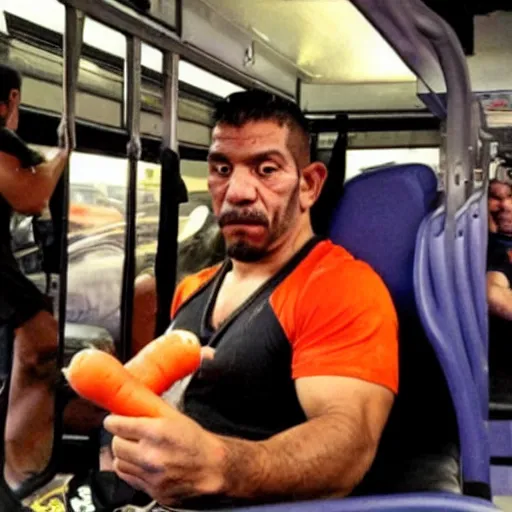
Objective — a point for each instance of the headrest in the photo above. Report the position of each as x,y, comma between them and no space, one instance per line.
377,220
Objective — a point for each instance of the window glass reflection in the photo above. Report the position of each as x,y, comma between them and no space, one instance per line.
200,243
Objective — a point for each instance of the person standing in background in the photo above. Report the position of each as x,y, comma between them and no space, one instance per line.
27,183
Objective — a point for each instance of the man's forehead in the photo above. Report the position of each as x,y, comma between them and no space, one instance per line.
501,188
251,131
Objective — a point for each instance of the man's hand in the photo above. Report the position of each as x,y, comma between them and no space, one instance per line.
64,136
169,460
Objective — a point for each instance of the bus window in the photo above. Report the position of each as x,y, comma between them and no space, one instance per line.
368,150
96,242
361,160
200,242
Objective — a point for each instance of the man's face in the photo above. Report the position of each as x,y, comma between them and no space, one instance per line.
500,206
255,187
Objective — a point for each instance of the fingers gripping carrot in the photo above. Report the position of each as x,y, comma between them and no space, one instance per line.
166,360
102,379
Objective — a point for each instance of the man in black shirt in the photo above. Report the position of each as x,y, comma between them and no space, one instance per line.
27,182
499,292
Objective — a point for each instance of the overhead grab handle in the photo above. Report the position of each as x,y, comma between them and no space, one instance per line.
132,105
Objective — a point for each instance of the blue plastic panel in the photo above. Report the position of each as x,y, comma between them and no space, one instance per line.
421,502
500,436
501,480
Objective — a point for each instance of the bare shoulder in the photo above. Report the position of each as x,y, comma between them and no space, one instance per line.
499,279
8,162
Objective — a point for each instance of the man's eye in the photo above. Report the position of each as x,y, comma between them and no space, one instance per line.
267,170
223,170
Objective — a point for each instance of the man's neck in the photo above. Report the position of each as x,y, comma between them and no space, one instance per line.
276,259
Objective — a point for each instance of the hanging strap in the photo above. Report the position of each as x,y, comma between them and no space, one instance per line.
323,210
173,193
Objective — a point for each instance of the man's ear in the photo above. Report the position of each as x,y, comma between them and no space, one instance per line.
311,183
14,97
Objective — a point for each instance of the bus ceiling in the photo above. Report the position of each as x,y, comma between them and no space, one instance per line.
310,51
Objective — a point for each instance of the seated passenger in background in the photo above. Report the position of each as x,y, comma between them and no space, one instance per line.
496,191
499,193
499,291
306,337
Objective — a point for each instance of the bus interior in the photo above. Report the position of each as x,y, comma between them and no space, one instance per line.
410,107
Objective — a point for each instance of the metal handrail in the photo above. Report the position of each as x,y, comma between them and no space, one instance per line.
459,103
130,22
430,47
131,103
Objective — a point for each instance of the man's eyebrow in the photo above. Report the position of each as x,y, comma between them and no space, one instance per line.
216,156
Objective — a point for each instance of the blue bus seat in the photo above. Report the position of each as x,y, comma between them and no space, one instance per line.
470,292
437,306
377,220
419,502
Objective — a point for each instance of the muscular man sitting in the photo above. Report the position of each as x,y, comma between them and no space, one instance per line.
305,370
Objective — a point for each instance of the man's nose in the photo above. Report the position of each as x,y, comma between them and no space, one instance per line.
506,204
241,188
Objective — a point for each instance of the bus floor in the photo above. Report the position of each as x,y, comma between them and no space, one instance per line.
503,502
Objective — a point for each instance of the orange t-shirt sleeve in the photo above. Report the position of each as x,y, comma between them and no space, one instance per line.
178,300
189,285
344,324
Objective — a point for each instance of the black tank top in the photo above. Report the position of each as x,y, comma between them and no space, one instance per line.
6,255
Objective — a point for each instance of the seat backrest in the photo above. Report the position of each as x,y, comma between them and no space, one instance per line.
377,220
436,273
470,290
476,245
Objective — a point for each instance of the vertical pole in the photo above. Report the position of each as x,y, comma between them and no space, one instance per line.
132,104
73,36
172,192
72,48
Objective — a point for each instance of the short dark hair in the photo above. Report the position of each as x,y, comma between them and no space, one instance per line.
10,78
240,108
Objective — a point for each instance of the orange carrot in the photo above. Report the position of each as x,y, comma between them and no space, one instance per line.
166,360
102,379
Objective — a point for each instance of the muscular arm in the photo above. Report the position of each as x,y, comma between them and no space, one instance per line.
26,191
326,456
499,295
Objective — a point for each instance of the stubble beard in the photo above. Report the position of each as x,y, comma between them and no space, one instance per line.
245,252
